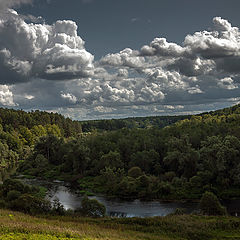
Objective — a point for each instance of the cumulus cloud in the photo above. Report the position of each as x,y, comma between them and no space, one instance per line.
227,83
160,46
70,97
32,18
193,67
53,52
122,72
194,90
6,96
101,109
223,41
160,78
202,67
127,57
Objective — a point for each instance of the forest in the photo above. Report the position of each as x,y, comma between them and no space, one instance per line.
155,158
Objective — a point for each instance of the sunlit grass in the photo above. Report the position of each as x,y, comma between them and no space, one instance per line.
14,225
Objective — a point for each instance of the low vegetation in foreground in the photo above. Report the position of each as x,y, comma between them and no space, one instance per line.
15,225
50,221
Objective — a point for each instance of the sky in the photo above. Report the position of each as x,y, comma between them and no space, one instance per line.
98,59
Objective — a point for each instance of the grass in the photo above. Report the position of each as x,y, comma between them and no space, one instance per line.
15,225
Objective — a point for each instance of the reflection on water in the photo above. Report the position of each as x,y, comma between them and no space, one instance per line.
115,207
122,208
67,198
137,208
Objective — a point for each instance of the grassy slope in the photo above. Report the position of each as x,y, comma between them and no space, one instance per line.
14,225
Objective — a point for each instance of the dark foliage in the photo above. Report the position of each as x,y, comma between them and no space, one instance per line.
197,154
91,208
209,205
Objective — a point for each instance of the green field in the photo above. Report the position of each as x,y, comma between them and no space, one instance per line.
14,225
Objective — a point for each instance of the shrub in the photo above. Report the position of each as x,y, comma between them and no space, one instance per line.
209,205
11,184
57,207
179,211
92,208
12,195
30,204
164,189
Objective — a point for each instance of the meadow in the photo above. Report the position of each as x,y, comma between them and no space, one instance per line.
15,225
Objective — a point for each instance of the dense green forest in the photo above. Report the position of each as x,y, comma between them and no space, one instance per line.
141,160
137,122
20,130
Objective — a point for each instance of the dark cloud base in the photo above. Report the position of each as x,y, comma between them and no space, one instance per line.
47,67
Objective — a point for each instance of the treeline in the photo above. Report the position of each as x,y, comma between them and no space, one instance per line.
130,123
20,130
179,161
12,119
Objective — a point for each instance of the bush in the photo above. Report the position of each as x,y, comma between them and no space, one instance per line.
13,195
30,204
92,208
164,189
10,184
209,205
57,207
178,211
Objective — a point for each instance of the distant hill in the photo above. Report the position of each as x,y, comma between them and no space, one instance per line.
133,122
15,118
225,111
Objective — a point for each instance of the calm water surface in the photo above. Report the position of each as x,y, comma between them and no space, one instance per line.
115,207
121,208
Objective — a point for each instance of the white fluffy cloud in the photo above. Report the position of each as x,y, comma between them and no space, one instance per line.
52,52
126,57
160,46
6,96
227,83
223,41
201,68
159,78
70,97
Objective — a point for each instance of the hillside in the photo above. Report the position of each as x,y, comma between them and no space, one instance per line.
10,118
180,161
137,122
19,226
225,111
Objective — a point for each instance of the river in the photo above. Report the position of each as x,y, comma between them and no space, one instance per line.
122,208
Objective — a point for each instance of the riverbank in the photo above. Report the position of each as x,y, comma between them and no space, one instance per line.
71,199
91,186
15,225
117,207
